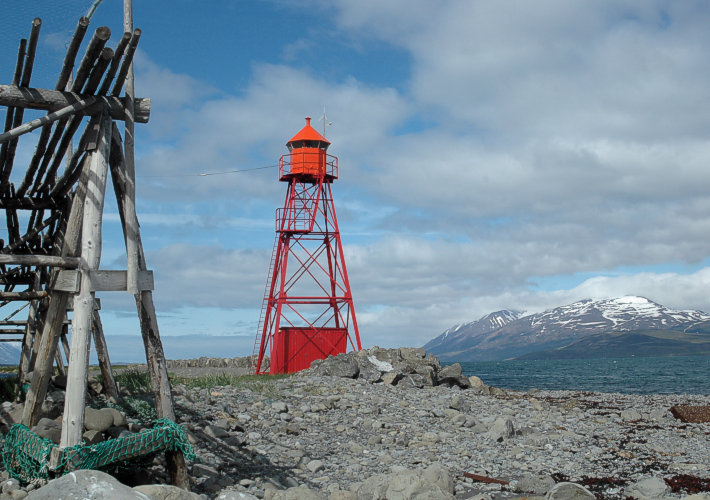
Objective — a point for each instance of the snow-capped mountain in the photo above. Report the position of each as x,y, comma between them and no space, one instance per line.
554,328
461,336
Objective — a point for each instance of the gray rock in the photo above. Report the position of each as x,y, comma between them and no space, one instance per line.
235,495
412,353
391,378
460,403
279,407
450,371
570,491
216,432
451,375
501,429
315,466
389,356
336,366
92,437
48,429
476,381
373,487
119,419
538,485
91,484
416,380
649,488
342,495
165,492
368,370
204,470
437,474
98,420
9,485
630,415
299,493
411,485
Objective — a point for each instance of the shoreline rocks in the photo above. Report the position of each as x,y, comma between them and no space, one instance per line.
317,435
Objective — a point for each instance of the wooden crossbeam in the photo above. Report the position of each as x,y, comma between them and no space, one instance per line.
27,295
102,281
55,100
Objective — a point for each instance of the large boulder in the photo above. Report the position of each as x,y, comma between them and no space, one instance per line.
166,492
85,484
404,367
649,488
433,483
452,375
344,366
570,491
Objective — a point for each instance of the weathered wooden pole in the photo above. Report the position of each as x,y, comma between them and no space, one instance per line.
103,357
31,335
131,229
73,420
51,325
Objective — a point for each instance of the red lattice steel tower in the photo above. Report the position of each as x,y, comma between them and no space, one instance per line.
308,313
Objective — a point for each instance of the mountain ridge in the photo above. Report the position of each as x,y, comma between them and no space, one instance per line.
519,335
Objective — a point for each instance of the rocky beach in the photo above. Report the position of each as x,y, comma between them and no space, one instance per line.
395,424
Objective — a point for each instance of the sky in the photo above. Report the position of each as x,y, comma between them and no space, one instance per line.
493,154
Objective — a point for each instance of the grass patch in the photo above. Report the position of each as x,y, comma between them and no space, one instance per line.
135,381
262,384
132,381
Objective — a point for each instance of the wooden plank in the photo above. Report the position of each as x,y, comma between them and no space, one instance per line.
116,281
54,100
65,281
102,281
39,260
73,419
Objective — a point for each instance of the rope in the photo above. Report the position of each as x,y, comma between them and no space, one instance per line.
206,174
26,455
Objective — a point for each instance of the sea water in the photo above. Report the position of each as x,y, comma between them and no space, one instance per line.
637,375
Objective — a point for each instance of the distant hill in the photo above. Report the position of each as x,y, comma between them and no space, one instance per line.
627,344
578,330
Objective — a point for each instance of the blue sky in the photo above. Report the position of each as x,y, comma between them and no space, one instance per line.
493,154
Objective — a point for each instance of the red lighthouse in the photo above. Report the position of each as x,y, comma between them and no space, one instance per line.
308,312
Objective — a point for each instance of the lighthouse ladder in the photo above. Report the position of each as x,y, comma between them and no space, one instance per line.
262,314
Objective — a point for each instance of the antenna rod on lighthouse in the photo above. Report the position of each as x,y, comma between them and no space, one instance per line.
325,121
